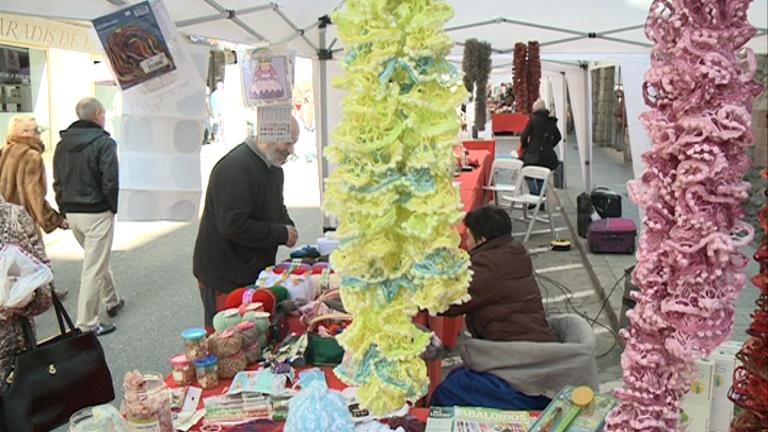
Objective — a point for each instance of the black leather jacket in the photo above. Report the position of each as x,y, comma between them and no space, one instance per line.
85,171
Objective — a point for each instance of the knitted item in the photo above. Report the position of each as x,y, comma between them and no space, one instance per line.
393,194
229,366
226,343
226,319
318,409
689,268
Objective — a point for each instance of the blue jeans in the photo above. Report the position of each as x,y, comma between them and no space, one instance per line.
534,185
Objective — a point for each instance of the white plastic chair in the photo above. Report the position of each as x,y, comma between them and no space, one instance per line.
523,198
513,165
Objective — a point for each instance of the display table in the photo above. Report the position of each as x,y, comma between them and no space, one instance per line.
333,383
473,197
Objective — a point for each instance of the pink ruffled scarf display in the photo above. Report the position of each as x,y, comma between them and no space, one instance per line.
689,269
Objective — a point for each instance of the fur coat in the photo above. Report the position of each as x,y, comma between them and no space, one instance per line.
22,180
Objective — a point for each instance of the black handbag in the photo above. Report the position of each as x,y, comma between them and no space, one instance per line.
607,203
51,381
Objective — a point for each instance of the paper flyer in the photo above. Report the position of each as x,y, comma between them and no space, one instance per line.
267,77
135,45
274,123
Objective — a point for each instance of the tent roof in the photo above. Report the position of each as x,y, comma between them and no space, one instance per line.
561,26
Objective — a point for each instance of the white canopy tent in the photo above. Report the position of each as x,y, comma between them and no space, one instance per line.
572,33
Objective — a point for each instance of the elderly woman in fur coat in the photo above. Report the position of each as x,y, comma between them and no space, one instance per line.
22,176
22,173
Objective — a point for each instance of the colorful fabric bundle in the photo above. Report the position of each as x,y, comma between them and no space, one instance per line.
689,268
225,343
229,366
316,408
393,194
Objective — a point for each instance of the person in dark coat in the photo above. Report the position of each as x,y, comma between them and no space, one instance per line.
506,302
538,141
505,307
244,220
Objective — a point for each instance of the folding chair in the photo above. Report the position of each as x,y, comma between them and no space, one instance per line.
523,197
513,165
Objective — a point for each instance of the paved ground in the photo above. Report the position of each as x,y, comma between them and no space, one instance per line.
152,265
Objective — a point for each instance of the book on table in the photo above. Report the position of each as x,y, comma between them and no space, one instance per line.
471,419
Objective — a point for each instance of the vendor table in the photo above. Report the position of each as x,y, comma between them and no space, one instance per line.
334,383
473,197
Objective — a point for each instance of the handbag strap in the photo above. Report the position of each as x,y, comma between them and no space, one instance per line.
61,315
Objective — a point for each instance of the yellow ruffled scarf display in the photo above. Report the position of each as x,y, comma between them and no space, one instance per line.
393,194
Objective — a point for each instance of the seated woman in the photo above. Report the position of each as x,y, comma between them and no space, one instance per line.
506,301
515,359
18,228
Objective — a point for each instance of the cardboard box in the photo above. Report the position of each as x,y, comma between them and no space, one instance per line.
721,413
697,404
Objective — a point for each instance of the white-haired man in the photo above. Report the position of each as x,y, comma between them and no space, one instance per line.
244,220
85,179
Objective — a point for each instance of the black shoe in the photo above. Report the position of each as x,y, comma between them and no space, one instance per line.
104,329
112,311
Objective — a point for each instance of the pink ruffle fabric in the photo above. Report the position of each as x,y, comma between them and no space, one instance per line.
689,269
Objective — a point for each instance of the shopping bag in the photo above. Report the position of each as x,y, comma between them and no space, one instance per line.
20,275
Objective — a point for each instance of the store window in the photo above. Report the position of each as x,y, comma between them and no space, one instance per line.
23,87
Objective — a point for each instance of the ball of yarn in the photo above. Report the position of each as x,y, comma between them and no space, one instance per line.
263,296
261,319
226,319
252,353
226,343
251,307
281,293
249,332
235,298
230,366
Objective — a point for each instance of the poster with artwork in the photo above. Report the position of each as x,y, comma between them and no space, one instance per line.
267,77
136,43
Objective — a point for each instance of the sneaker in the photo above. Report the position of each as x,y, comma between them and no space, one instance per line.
61,293
104,329
112,311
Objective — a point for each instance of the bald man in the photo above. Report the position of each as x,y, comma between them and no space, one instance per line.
244,220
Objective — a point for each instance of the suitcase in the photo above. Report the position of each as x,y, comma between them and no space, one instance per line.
607,203
584,213
612,235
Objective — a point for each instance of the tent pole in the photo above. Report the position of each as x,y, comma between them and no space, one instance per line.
588,127
563,148
221,15
324,54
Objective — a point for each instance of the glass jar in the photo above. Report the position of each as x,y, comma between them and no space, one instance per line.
102,418
183,371
194,343
207,376
147,403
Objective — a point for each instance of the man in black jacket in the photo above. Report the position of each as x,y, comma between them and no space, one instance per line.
85,179
244,220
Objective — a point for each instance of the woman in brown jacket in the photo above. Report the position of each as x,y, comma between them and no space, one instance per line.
506,302
22,173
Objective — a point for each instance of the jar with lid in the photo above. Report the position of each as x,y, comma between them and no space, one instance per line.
182,370
147,403
206,369
102,418
195,343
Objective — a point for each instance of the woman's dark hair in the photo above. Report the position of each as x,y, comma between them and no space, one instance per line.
488,222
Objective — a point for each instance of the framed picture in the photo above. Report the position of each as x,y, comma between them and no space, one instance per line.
267,77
